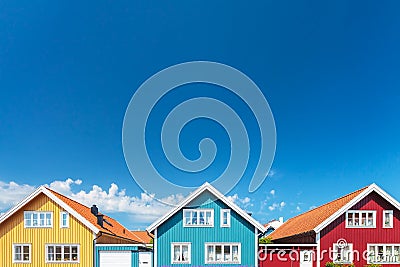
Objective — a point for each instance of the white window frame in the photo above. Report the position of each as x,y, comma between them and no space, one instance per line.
390,218
211,224
22,245
38,213
62,221
384,253
189,245
359,213
228,224
47,260
214,261
336,247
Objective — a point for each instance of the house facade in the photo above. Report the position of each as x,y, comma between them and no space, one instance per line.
206,229
360,228
49,229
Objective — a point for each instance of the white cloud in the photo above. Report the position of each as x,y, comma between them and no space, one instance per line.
312,207
272,192
142,209
298,208
242,202
271,173
275,206
64,187
11,193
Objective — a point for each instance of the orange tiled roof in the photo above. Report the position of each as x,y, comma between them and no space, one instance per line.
115,229
307,221
144,236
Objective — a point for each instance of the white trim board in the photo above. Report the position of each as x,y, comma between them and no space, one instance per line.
351,203
49,194
216,193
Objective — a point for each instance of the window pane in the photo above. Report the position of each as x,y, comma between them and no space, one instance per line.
210,253
356,219
177,252
227,253
218,253
202,219
67,253
58,253
194,217
235,253
370,219
208,218
363,219
35,219
74,253
17,257
48,219
185,253
350,218
186,215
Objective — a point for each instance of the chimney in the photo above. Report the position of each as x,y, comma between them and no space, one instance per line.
94,210
281,219
100,219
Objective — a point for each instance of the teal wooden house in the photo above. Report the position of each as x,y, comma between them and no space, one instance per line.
206,229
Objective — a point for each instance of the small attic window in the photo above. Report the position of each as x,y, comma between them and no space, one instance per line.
388,219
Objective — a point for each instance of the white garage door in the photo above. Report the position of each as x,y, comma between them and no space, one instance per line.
115,258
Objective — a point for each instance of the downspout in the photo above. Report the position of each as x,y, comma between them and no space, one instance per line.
94,249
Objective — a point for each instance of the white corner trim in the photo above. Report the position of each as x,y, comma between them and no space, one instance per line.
363,194
256,248
49,194
155,254
318,240
196,193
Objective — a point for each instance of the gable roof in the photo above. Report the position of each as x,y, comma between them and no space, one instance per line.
218,195
318,218
143,236
79,211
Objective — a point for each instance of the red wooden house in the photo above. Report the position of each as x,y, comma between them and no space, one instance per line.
362,227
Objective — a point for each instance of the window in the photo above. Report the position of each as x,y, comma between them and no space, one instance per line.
38,219
180,253
383,254
64,219
360,219
225,218
21,253
342,253
62,253
198,218
388,219
228,253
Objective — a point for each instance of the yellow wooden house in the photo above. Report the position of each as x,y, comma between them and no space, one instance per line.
49,229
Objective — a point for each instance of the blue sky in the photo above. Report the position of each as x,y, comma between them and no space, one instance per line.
329,70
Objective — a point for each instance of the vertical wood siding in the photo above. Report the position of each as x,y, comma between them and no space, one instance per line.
360,237
13,231
287,256
173,231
